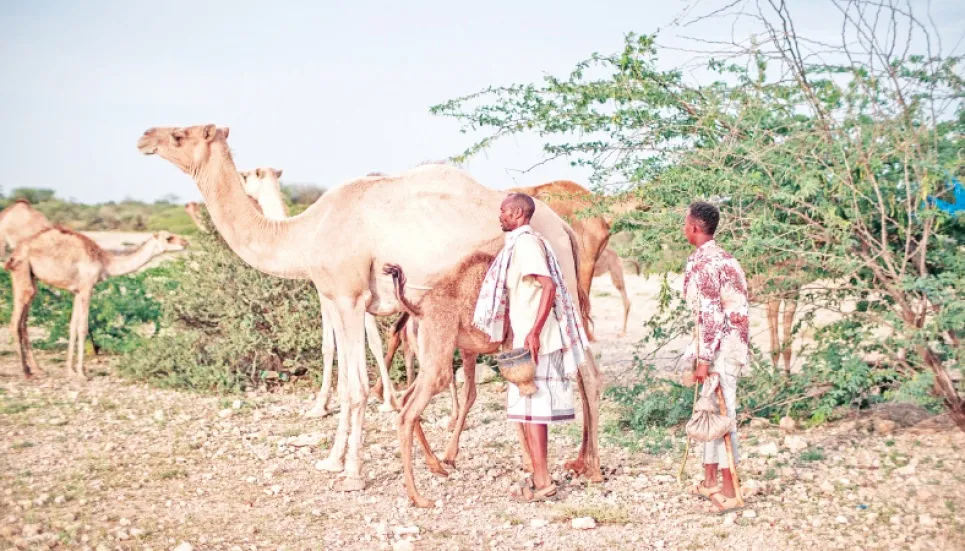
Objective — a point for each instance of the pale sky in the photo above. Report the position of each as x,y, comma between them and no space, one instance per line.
326,91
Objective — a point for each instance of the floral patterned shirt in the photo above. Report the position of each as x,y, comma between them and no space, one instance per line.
716,291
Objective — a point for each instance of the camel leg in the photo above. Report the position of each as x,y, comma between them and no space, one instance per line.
24,290
320,409
396,337
590,382
468,398
408,355
352,314
454,409
584,279
72,341
616,276
334,462
435,357
82,307
790,306
773,308
375,345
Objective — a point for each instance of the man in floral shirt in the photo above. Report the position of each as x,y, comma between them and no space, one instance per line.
716,292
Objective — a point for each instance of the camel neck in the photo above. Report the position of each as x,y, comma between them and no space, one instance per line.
125,263
270,246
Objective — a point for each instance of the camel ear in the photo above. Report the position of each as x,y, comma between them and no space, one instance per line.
209,132
225,131
277,172
258,173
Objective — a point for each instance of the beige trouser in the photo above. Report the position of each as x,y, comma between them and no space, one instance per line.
728,368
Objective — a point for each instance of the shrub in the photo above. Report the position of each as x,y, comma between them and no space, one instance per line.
122,309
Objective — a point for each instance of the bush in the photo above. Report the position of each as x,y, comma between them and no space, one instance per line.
227,326
120,309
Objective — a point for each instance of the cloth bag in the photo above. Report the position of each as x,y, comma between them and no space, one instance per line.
707,424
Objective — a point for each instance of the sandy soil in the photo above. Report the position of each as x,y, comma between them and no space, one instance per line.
120,465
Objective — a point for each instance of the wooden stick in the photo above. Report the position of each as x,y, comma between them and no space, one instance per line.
683,464
730,451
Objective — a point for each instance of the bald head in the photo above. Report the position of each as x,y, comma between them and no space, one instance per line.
522,202
516,210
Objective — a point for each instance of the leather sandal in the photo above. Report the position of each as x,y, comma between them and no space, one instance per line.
700,490
723,504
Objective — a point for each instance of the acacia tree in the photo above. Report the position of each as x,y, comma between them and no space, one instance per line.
820,155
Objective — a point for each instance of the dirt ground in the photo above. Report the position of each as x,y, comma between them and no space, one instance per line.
120,465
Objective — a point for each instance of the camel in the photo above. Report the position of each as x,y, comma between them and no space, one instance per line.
194,211
262,185
610,262
789,295
68,260
18,222
340,240
567,198
405,333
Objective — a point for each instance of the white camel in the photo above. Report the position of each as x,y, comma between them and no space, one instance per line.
425,220
263,185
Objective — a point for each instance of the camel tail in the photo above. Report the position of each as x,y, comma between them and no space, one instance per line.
398,278
582,297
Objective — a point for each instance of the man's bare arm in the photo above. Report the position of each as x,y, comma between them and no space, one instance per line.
546,301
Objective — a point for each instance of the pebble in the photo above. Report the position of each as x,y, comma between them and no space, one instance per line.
768,450
750,513
184,546
827,487
405,530
841,519
795,443
306,440
538,523
30,530
403,545
225,413
884,426
583,523
926,520
236,404
907,470
159,415
788,424
760,423
730,519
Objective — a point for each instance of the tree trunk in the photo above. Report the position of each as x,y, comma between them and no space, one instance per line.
945,387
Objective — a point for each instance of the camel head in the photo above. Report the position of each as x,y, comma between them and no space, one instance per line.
256,179
193,208
166,242
188,148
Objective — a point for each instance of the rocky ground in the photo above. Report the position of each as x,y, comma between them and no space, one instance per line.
118,465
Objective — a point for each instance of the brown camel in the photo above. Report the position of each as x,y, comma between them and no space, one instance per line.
788,291
18,222
445,322
341,239
610,262
567,199
405,333
71,261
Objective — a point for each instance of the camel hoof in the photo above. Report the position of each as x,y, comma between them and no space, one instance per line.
316,413
595,477
386,407
438,470
578,466
452,425
621,335
350,484
330,465
450,462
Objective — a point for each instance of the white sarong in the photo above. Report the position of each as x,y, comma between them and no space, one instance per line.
553,400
